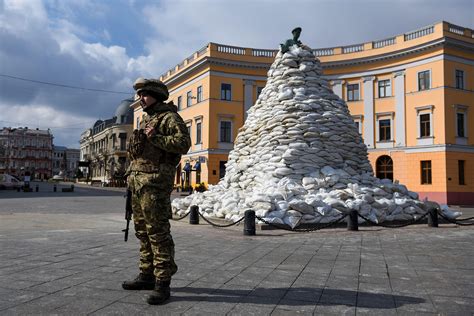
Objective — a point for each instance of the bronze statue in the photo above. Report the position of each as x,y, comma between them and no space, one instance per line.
290,42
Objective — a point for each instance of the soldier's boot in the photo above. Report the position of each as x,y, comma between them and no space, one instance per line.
160,294
141,282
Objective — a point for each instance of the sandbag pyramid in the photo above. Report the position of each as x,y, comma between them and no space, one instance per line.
299,157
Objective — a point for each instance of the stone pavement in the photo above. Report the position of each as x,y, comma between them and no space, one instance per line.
63,253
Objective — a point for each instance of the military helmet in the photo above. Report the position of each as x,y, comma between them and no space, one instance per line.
154,87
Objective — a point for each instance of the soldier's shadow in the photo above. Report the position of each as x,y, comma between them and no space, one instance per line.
299,296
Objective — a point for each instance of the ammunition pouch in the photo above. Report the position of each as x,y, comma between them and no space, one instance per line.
137,143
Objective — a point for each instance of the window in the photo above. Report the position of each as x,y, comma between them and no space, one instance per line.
384,130
384,168
353,92
198,133
226,92
460,117
461,124
426,172
259,90
189,98
189,129
385,88
222,169
180,103
425,129
461,164
424,80
459,79
123,142
226,129
424,125
138,123
199,94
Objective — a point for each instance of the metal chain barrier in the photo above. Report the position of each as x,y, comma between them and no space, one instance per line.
454,221
180,218
221,226
464,219
304,230
315,227
395,225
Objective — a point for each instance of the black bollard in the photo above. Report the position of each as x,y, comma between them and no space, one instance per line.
353,221
54,188
433,218
194,215
72,187
37,188
249,223
18,189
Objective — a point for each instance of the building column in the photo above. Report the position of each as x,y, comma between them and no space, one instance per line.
337,87
248,96
400,128
369,111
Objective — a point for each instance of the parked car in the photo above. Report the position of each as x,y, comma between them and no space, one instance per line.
10,182
58,178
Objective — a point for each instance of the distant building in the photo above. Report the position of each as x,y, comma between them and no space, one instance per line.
104,146
65,161
26,151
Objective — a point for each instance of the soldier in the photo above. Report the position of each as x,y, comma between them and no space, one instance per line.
155,149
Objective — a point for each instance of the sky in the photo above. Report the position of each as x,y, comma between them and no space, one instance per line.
64,64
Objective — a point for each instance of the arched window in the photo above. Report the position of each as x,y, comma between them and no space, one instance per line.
384,168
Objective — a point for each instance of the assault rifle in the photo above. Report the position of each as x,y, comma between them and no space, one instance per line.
128,212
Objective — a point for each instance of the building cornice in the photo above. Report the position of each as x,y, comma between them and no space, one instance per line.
208,61
377,58
201,63
427,148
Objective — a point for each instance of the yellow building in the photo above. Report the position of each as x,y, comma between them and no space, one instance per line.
412,96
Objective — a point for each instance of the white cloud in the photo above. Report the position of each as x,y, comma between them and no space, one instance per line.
64,126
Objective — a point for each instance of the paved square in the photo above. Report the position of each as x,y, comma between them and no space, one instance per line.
63,253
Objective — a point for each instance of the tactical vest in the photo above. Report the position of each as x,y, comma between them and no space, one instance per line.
144,156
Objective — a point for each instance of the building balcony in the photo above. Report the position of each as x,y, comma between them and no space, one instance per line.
119,150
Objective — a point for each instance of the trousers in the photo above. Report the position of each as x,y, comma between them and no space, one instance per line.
151,207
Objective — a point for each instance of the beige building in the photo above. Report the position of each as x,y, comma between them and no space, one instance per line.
411,95
103,147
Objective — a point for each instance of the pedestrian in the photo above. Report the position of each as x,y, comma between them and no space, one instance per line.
155,149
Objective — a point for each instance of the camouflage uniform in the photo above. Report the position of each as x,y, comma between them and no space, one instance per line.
151,177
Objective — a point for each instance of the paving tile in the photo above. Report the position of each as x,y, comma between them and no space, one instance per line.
116,308
334,309
296,306
453,305
304,294
384,288
94,293
421,303
375,300
375,311
338,297
250,310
